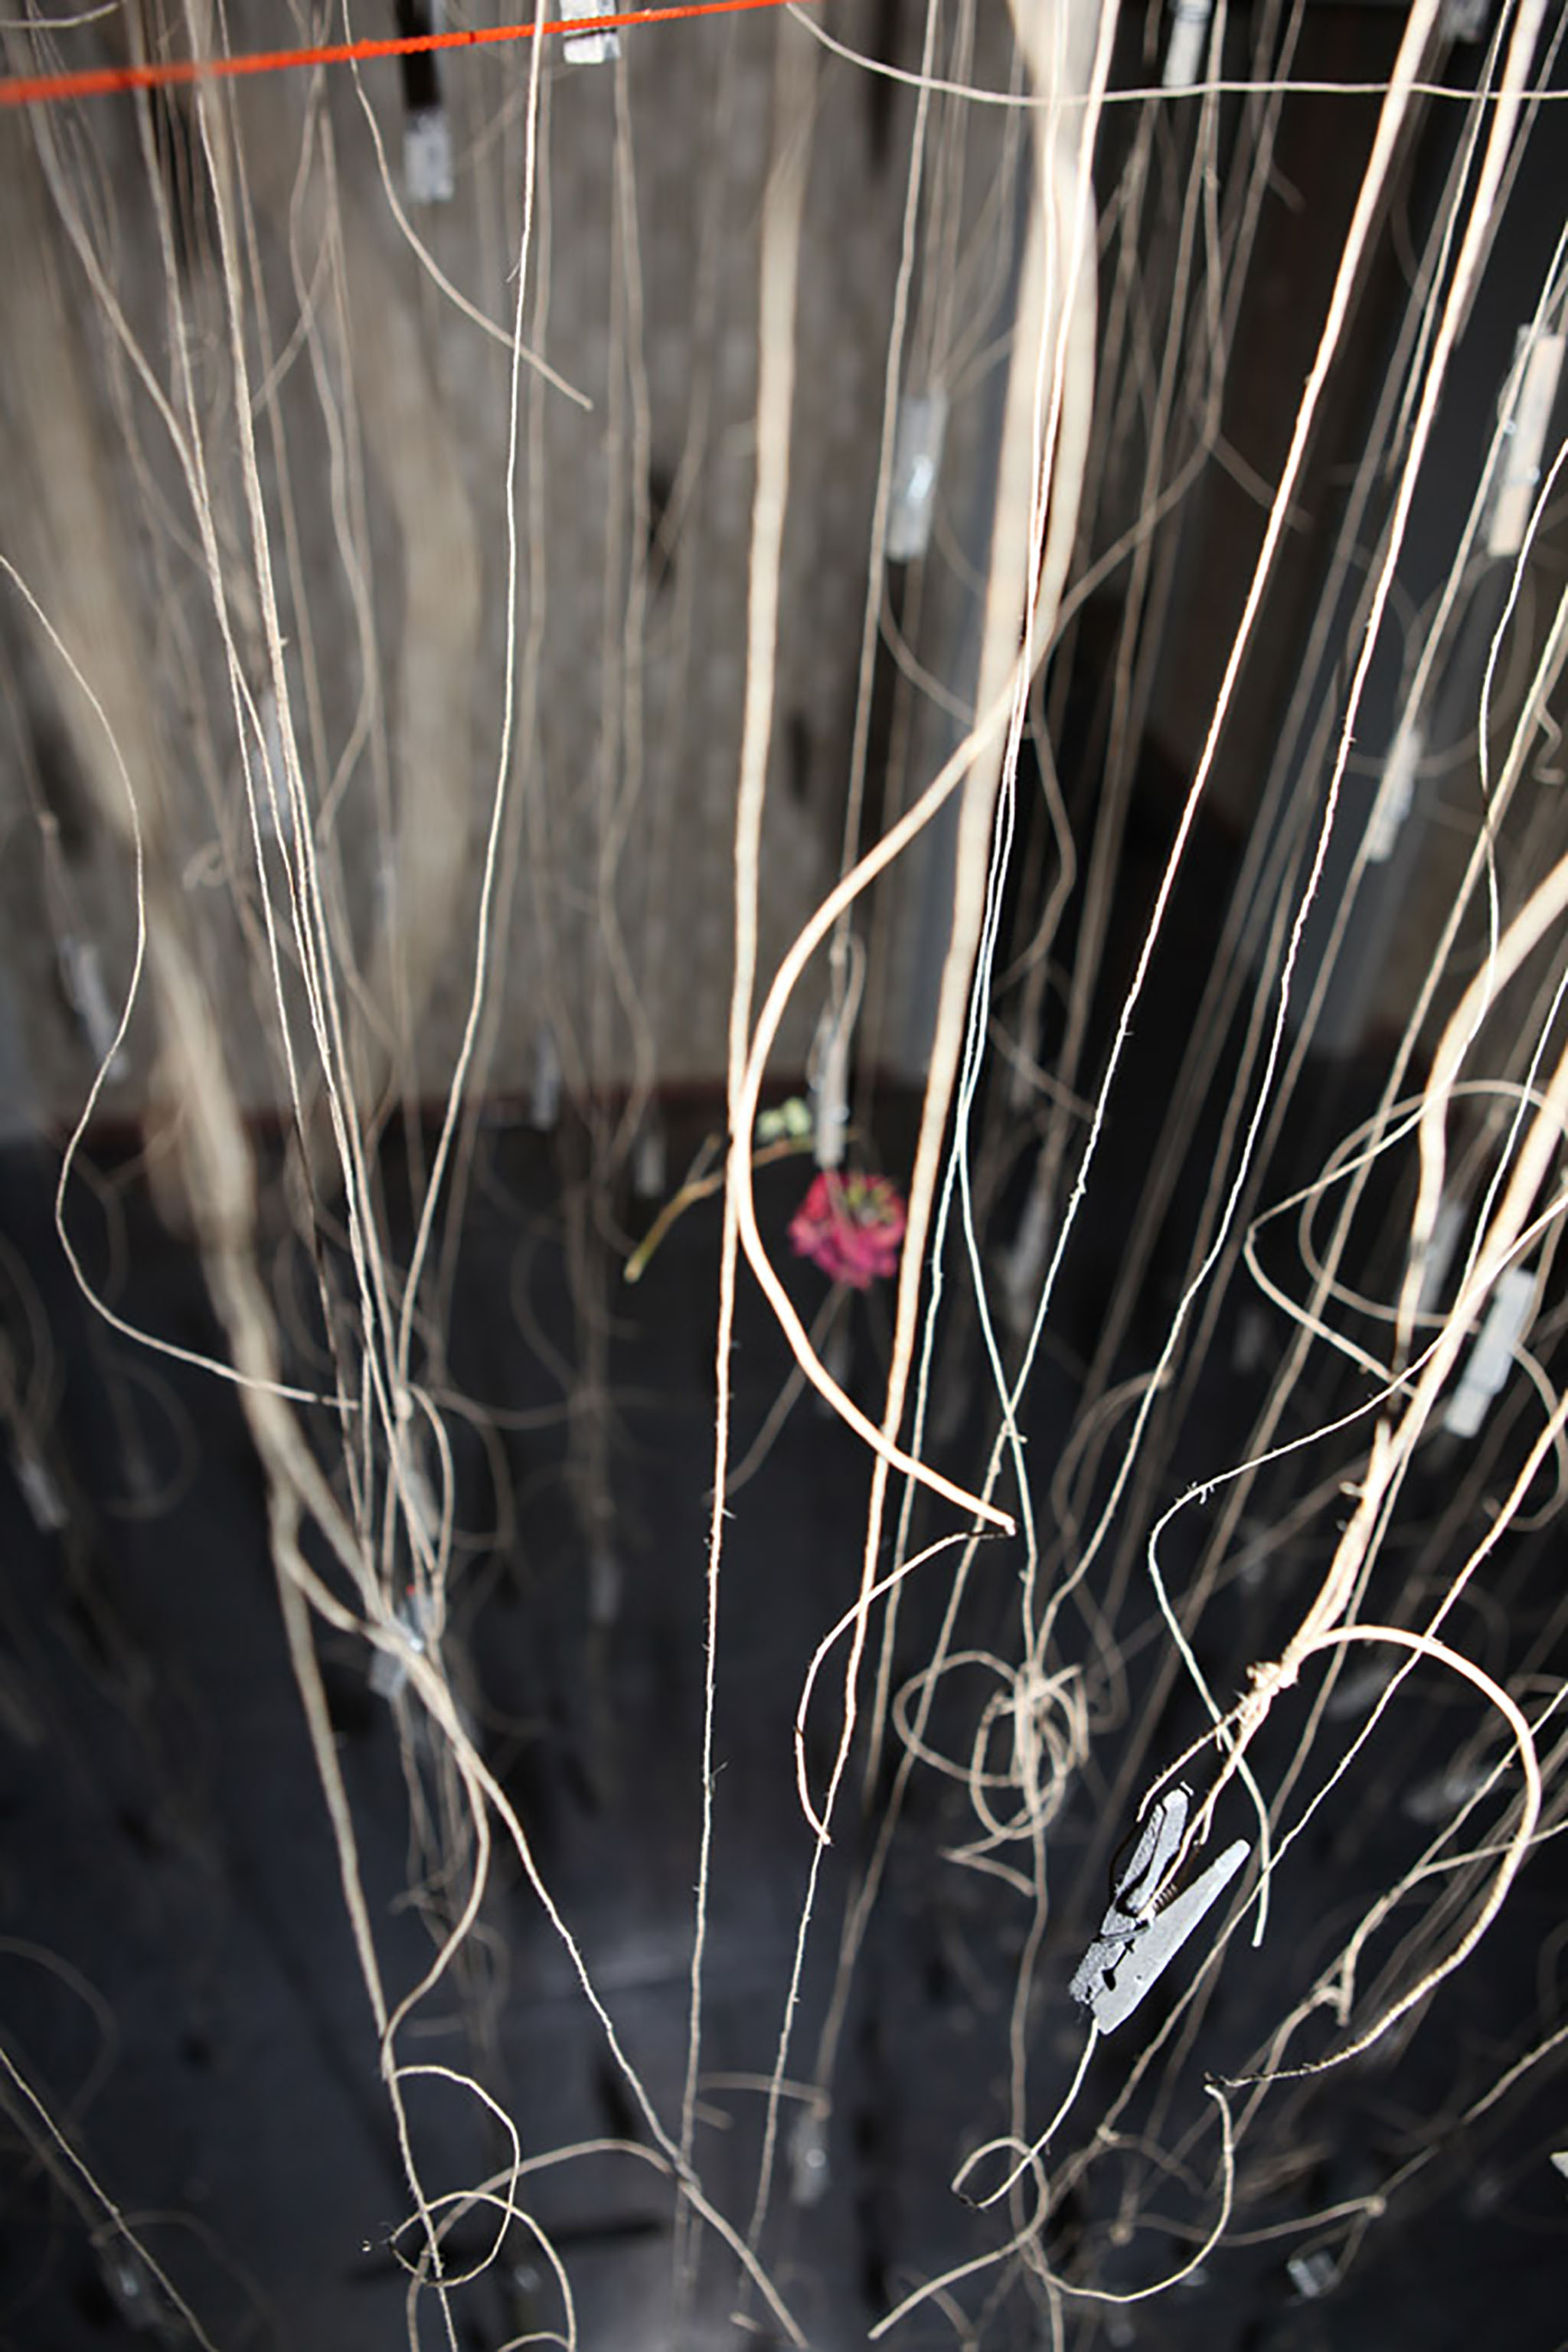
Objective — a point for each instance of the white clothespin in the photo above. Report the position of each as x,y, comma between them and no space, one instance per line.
1146,1925
427,176
830,1097
39,1492
1464,20
918,440
809,2175
1023,1261
1396,793
385,884
593,48
544,1098
81,976
1519,474
604,1585
1185,49
269,782
828,1070
1433,1800
1491,1358
649,1157
1356,1693
131,2289
388,1672
427,134
1313,2274
420,1504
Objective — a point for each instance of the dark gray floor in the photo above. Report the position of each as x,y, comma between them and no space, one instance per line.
177,1975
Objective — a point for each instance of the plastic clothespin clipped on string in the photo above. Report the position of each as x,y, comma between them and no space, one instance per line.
1314,2274
416,1618
427,134
918,438
828,1069
1537,374
650,1156
87,994
1184,48
264,763
830,1094
1023,1261
1395,792
1147,1922
593,48
1442,1793
809,2178
1491,1358
37,1484
545,1094
420,1506
606,1585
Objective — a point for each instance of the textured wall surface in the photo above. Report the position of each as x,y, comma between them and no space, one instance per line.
381,417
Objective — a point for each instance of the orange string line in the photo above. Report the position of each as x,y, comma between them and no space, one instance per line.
99,81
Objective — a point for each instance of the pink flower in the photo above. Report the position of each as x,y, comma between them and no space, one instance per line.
851,1226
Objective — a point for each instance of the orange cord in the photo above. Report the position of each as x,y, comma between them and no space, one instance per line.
99,81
